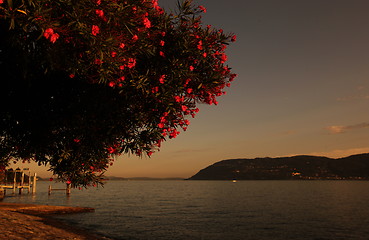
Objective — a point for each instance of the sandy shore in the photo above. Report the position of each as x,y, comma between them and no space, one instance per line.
28,221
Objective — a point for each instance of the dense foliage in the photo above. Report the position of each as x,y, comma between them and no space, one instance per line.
85,80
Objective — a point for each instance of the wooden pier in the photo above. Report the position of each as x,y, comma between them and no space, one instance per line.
20,179
67,189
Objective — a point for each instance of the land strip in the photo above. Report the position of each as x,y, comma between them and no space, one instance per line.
30,221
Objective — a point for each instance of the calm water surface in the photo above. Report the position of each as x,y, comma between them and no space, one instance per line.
214,210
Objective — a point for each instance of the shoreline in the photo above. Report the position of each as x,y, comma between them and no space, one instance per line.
31,221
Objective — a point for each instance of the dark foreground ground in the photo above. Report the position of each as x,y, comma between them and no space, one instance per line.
28,221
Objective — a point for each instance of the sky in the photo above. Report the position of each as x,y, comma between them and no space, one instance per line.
302,88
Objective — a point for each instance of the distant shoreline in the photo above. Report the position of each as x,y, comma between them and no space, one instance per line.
112,178
245,180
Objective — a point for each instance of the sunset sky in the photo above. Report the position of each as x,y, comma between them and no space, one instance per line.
302,87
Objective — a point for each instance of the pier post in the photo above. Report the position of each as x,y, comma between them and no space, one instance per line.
68,189
34,183
29,181
21,183
14,180
49,191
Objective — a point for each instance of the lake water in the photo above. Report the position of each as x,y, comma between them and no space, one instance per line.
218,210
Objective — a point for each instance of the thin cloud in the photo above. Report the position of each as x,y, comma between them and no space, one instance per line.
336,129
342,129
350,98
360,94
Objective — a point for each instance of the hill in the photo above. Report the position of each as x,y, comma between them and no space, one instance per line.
285,168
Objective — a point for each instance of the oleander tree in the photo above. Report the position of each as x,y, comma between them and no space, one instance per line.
2,173
83,81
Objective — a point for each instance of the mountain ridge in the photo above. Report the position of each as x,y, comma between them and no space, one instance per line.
288,168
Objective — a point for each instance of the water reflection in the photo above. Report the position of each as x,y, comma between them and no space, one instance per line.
220,209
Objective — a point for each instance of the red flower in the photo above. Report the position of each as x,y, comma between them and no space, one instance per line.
51,179
189,90
154,3
135,38
76,140
54,37
113,54
71,75
162,43
149,153
174,134
98,61
177,98
111,84
199,46
162,79
233,39
95,30
233,76
121,67
111,150
202,9
155,89
131,62
48,32
122,45
146,22
184,108
223,58
161,53
191,68
100,13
